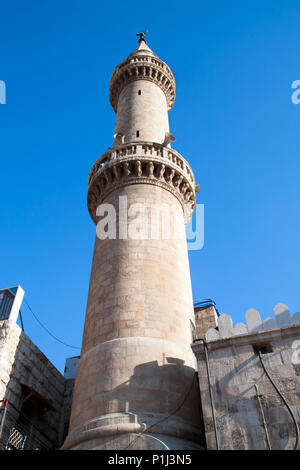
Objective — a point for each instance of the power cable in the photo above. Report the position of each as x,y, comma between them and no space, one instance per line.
283,399
49,332
166,417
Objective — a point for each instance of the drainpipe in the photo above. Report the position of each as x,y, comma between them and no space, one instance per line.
210,393
263,417
283,399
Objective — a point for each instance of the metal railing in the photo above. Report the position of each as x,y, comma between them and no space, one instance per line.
17,432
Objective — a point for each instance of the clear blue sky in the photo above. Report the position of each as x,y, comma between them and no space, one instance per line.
234,63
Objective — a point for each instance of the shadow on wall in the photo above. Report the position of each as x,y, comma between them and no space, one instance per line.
239,418
164,399
172,387
34,391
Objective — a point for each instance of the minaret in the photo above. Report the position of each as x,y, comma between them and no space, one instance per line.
136,386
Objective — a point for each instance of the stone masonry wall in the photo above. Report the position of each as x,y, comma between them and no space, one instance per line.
243,396
142,107
22,363
141,333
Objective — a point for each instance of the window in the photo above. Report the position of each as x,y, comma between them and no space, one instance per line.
6,303
137,133
264,348
139,92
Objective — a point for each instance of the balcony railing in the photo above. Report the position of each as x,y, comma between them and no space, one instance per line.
143,149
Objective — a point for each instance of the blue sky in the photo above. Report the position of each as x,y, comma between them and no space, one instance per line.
233,119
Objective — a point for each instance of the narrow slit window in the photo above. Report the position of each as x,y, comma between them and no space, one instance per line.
139,92
137,133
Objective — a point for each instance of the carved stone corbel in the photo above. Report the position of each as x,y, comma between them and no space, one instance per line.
150,169
138,168
169,176
177,181
161,171
126,168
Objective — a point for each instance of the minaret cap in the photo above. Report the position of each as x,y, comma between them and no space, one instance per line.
142,48
142,35
142,64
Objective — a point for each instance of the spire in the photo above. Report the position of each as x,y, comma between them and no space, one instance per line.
142,48
142,35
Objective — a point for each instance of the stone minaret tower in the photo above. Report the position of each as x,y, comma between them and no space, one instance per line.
136,386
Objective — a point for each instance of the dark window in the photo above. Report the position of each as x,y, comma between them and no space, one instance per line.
264,348
137,133
139,92
6,302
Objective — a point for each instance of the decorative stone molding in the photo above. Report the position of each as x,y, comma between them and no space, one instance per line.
254,323
142,162
142,67
133,422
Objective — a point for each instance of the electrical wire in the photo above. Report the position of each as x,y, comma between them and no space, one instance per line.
283,399
166,417
49,332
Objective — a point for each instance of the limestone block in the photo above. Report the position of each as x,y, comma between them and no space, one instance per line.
212,335
240,329
225,326
269,324
253,320
282,315
296,318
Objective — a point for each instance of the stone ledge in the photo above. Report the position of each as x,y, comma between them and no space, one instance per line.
247,338
121,423
253,323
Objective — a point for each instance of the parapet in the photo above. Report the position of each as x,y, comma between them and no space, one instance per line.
225,328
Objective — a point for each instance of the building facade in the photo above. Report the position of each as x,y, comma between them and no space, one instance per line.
249,379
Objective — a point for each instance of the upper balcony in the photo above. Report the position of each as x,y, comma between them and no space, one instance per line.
143,149
141,162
